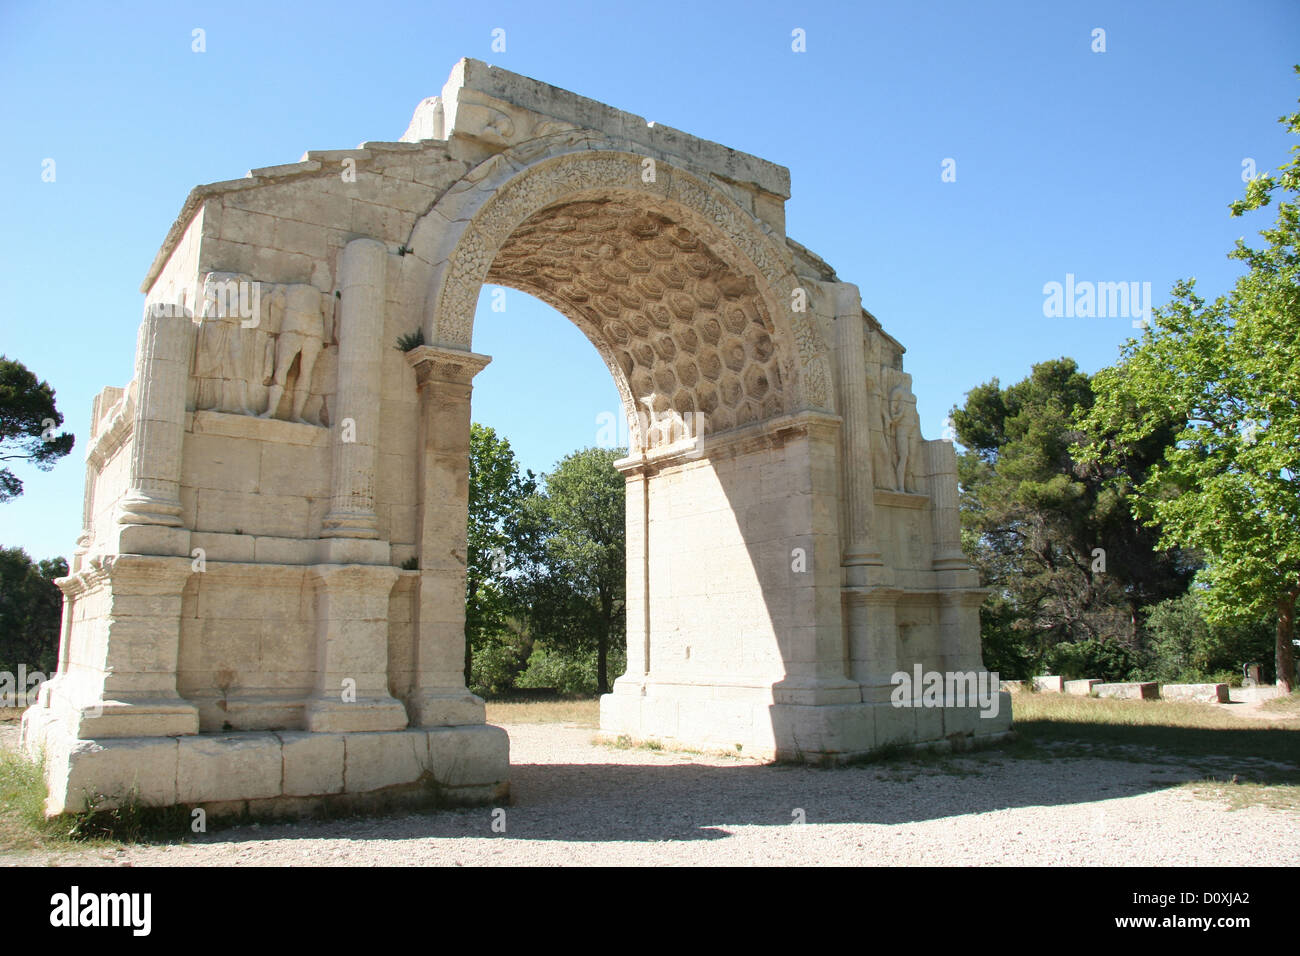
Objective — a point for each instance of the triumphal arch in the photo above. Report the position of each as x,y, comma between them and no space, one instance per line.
266,604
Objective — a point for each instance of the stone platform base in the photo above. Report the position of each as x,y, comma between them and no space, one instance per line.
288,772
749,721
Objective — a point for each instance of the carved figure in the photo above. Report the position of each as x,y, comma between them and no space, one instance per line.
902,428
226,356
302,319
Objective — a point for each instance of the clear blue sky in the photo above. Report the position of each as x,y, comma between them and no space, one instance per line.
1114,166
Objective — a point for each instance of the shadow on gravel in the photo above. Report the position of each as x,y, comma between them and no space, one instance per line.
1053,763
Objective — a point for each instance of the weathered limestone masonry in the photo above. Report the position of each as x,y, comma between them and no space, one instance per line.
240,626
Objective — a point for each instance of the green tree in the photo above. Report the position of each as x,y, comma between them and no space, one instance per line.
577,584
496,549
1034,517
1183,646
30,610
1228,372
28,418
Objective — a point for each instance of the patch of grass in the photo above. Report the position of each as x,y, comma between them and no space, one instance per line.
129,821
1290,705
1238,796
23,825
582,713
626,742
22,803
1064,725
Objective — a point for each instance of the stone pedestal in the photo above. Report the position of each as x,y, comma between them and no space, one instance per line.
121,682
351,603
813,642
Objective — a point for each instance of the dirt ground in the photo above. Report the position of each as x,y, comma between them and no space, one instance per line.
575,802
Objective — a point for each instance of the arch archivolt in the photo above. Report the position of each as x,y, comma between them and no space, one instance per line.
684,295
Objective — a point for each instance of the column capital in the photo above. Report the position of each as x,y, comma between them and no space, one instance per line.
438,363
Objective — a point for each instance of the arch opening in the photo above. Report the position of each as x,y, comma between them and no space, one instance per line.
687,339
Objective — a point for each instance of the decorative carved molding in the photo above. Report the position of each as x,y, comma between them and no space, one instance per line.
900,499
727,231
433,363
687,338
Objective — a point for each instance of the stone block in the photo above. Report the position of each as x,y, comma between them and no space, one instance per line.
313,763
228,767
106,773
1081,688
1145,690
1205,693
223,547
818,733
929,723
620,714
1051,684
215,461
376,760
305,238
895,725
469,756
271,550
961,720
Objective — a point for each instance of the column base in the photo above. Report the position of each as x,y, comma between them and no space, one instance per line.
347,524
359,550
138,508
365,714
158,717
813,691
445,708
115,717
750,720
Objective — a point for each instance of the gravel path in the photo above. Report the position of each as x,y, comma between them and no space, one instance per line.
575,802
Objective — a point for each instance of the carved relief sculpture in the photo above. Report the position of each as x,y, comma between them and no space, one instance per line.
301,318
902,428
253,339
227,356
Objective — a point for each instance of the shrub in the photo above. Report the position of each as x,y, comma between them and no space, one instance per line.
572,674
1182,646
496,666
1106,660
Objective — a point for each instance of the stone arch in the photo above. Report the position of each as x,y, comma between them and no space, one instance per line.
777,581
477,232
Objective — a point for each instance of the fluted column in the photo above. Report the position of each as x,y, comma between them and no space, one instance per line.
945,519
438,694
859,545
356,424
162,363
